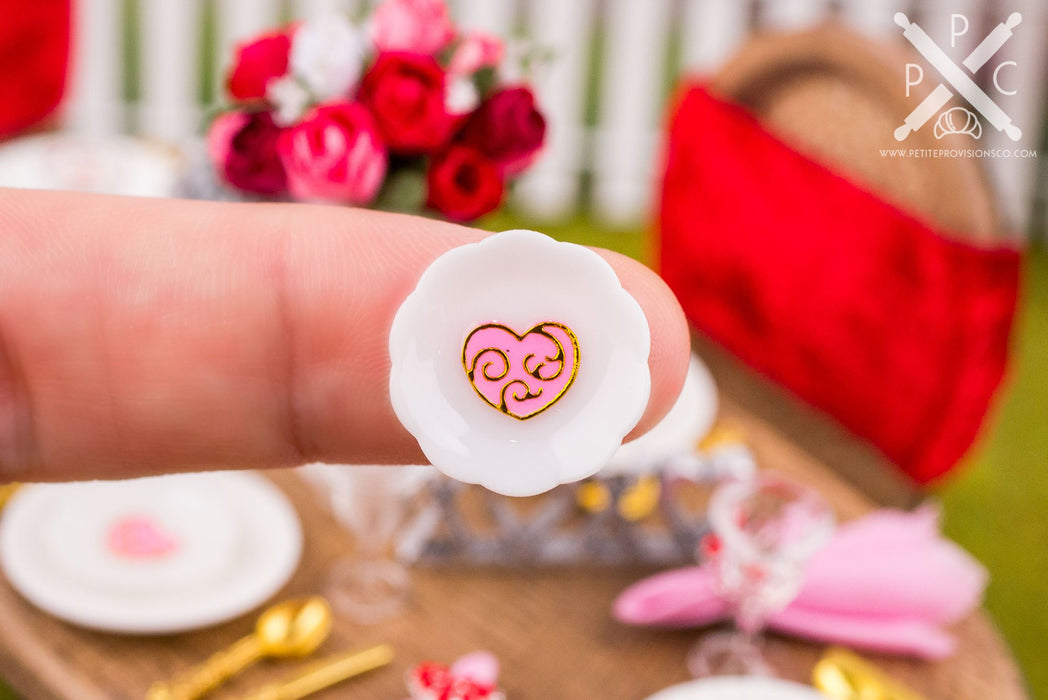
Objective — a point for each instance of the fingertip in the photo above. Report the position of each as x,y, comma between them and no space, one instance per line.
670,341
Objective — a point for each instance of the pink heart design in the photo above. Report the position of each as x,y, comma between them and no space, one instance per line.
139,537
521,375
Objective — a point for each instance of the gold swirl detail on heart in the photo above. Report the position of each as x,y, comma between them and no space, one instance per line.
521,374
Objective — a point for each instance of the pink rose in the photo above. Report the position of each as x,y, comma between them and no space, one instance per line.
221,132
418,26
257,62
334,154
477,50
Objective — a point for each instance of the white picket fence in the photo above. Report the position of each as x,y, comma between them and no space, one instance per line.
618,149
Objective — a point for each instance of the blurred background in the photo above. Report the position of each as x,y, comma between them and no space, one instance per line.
153,70
156,69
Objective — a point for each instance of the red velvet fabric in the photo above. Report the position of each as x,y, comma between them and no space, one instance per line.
34,50
896,330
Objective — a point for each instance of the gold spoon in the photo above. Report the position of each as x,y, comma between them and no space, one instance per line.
326,673
289,629
841,675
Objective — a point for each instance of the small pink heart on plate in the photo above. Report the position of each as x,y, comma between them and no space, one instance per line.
140,537
521,375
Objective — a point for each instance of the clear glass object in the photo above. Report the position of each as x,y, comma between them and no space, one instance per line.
372,503
763,532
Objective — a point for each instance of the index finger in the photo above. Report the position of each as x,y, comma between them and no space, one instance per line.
143,336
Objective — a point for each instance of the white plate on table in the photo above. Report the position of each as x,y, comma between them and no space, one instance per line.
150,556
739,688
678,433
82,163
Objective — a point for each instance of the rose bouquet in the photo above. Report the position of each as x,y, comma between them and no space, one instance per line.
400,111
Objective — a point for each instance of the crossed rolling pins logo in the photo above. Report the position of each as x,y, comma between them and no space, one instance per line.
958,80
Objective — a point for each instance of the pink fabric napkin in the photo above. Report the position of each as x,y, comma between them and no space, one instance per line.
887,582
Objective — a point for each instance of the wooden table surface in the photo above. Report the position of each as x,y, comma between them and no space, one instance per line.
551,629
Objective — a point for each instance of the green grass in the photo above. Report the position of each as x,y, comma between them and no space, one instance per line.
580,229
996,506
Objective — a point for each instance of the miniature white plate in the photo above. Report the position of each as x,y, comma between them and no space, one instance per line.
679,433
150,556
109,164
739,688
519,363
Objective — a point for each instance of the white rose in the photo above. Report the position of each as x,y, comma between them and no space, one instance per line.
290,99
460,96
327,55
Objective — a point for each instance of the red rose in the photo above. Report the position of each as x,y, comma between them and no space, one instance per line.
507,128
437,681
257,63
463,184
244,149
405,93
